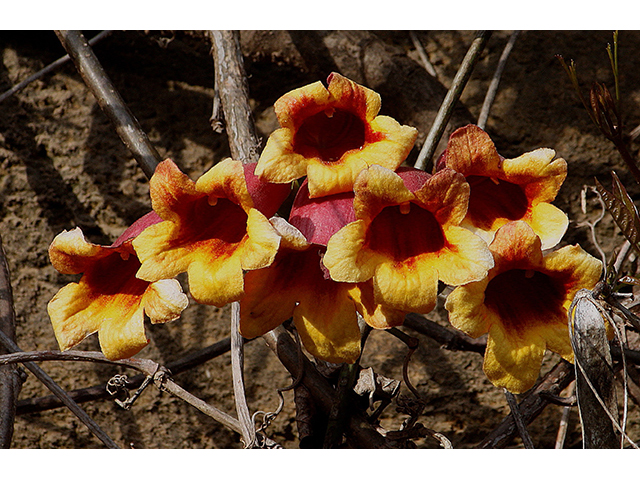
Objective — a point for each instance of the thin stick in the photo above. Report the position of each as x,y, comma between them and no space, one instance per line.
98,392
49,68
428,66
449,339
146,366
10,379
564,420
237,366
532,404
457,86
517,416
110,100
495,81
233,88
60,393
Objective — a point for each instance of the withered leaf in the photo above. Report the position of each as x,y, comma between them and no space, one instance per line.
622,209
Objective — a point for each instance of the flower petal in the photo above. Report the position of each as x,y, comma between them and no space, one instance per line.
464,259
467,311
549,223
328,325
331,135
123,337
375,314
513,362
70,253
164,301
409,287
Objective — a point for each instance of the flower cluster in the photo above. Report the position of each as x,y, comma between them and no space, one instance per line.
365,237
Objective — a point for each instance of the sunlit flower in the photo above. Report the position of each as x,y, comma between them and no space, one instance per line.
210,230
108,299
297,285
522,304
406,237
504,190
331,134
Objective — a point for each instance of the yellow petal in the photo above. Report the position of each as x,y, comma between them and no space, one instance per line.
549,223
123,337
409,287
164,301
262,243
216,282
278,162
467,311
465,258
513,362
328,325
226,180
346,259
68,327
376,315
70,253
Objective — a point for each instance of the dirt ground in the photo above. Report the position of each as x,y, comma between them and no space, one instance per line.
62,165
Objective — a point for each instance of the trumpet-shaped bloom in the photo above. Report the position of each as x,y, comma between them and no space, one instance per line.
522,304
331,134
406,237
296,286
109,299
505,190
210,230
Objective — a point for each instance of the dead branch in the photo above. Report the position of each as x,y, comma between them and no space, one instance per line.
457,86
533,403
10,378
110,101
49,68
60,393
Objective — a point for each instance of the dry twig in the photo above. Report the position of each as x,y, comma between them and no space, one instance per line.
49,68
495,81
110,100
457,86
60,393
10,378
148,367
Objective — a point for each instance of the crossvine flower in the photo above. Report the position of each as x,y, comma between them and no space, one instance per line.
109,299
522,304
505,190
330,134
406,238
211,229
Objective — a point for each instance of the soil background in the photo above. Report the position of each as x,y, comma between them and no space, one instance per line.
62,165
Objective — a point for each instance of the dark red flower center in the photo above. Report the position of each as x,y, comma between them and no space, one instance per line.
329,137
402,236
491,199
221,226
525,298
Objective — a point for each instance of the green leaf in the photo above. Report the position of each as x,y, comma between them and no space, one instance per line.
622,209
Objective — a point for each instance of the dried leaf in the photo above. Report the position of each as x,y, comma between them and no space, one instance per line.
622,209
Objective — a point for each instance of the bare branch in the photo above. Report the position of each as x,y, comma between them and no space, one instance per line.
233,88
49,68
97,392
110,100
10,378
495,81
60,393
457,86
428,66
148,367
